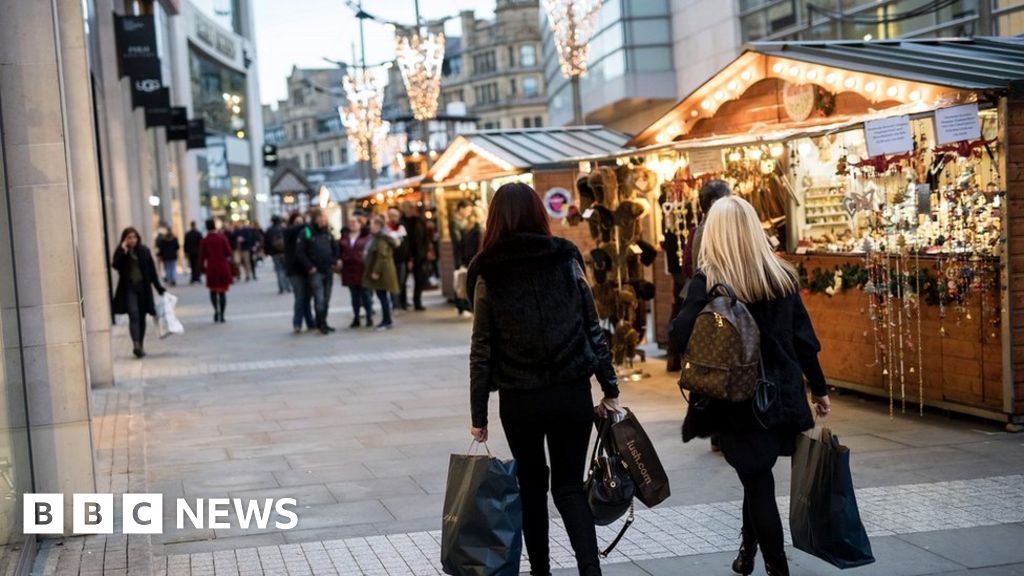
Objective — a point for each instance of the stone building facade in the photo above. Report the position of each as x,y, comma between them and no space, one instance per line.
306,127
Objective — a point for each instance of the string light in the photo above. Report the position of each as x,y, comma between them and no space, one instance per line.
419,61
572,24
362,117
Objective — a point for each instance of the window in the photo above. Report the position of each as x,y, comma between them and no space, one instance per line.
530,87
512,87
511,57
326,158
452,66
343,155
211,81
486,93
307,160
527,55
526,122
488,125
537,123
484,62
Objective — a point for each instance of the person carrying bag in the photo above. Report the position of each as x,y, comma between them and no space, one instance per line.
482,522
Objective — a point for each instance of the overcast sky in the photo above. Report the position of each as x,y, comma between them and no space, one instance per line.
303,32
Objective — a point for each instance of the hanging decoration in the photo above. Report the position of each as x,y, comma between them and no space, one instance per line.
572,24
362,117
419,60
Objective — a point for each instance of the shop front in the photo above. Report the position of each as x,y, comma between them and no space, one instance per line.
892,175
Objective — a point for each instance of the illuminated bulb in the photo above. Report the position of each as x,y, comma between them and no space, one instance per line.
812,74
733,85
778,68
776,150
706,104
240,133
662,138
719,95
803,148
734,156
226,96
892,91
694,113
756,154
915,95
747,75
868,37
794,71
870,86
832,78
850,83
380,196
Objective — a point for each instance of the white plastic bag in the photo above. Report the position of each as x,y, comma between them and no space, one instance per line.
166,318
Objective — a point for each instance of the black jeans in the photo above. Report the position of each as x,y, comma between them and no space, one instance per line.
563,417
752,455
419,282
362,299
301,308
193,266
136,315
321,283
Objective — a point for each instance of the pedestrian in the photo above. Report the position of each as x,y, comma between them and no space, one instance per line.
244,241
215,258
354,239
465,242
397,230
192,239
274,248
298,277
256,250
419,249
319,256
167,250
537,339
735,251
379,274
136,279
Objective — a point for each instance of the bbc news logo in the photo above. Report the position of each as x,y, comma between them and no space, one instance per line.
144,513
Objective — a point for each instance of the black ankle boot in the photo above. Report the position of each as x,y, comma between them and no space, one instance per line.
777,566
744,562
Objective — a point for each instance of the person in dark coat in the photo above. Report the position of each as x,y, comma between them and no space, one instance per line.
136,279
319,256
167,247
192,239
274,248
540,359
302,305
354,239
735,251
215,256
396,228
419,248
466,236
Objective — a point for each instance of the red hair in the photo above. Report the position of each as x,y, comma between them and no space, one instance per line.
515,209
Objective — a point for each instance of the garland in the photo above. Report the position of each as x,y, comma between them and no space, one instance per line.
920,283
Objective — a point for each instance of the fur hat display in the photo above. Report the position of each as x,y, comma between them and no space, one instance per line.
604,219
605,186
647,252
626,179
601,259
586,192
627,218
624,342
574,217
644,290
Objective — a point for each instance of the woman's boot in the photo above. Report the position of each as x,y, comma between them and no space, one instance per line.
744,562
777,566
138,350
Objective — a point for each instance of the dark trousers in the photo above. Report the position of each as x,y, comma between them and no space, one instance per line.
401,300
385,307
301,309
362,299
753,454
136,316
321,284
193,265
419,282
562,417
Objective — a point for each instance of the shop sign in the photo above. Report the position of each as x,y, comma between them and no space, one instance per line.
957,124
147,83
177,129
705,160
159,114
136,42
196,134
798,101
888,135
557,202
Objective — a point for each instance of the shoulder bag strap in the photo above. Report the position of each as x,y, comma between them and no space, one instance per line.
622,532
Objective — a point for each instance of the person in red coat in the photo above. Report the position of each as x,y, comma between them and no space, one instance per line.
354,239
215,258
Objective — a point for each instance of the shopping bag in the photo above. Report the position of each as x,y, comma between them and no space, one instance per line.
823,515
641,460
167,320
482,522
459,279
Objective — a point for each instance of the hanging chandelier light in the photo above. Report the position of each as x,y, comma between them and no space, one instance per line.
419,60
364,125
572,24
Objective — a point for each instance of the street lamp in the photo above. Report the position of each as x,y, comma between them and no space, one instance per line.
572,24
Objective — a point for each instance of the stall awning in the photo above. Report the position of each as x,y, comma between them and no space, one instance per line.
885,72
527,148
289,179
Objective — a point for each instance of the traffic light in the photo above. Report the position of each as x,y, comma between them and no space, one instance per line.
270,156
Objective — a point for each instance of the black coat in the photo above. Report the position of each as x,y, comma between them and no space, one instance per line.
121,262
789,350
167,247
534,321
416,228
316,248
192,240
292,266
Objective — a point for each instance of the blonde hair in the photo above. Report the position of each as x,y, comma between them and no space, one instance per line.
735,251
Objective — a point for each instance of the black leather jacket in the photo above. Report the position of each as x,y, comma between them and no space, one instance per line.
534,321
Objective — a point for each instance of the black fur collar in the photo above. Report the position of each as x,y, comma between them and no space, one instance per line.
518,251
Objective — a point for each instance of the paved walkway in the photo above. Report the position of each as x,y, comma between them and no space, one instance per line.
357,427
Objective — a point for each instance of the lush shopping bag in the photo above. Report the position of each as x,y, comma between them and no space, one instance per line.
482,525
637,451
823,515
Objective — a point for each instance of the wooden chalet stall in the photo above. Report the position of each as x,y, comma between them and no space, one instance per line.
476,164
892,174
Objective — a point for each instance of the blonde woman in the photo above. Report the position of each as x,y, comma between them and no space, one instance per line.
735,251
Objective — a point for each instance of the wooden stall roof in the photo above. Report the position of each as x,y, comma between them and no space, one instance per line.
518,150
911,70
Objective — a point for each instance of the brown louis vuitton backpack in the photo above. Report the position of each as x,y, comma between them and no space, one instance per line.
723,358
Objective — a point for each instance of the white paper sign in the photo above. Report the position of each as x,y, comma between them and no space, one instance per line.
957,123
705,160
888,136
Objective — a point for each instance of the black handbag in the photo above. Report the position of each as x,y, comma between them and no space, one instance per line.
640,459
609,487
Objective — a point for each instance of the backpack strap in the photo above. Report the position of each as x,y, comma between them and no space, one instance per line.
726,289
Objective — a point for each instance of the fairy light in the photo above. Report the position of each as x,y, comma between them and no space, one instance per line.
892,91
419,60
362,117
746,75
850,83
572,24
812,75
832,78
870,86
915,95
778,67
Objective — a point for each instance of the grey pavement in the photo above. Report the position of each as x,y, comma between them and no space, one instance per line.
358,425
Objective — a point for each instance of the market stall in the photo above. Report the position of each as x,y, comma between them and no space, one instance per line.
892,174
476,164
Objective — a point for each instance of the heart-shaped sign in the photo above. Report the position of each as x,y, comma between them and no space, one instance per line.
850,204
